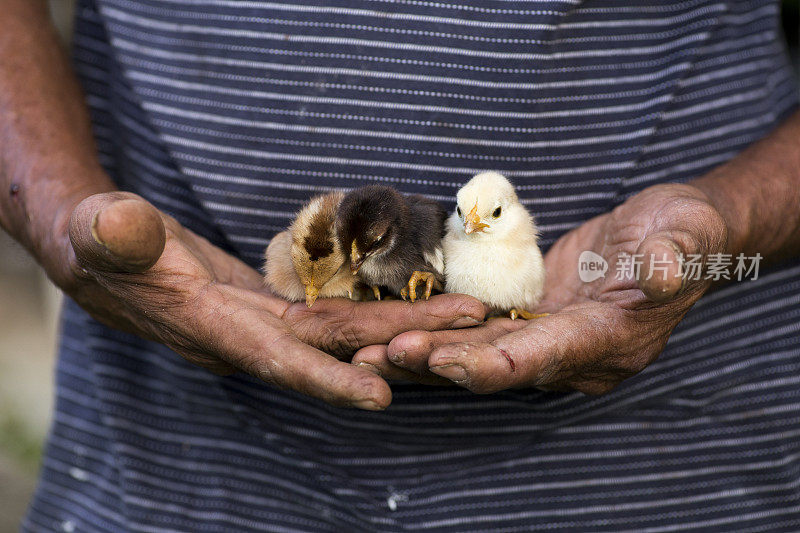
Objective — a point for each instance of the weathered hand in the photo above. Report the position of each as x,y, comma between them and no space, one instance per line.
139,270
599,333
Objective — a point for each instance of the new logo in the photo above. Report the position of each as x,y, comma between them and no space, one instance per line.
591,266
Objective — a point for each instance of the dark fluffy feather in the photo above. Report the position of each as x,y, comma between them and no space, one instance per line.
414,226
319,240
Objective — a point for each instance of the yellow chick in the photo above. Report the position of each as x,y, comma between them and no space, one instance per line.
307,261
490,248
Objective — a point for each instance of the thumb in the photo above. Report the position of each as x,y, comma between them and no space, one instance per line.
117,232
660,276
685,228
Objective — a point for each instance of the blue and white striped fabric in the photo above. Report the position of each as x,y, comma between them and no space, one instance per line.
229,114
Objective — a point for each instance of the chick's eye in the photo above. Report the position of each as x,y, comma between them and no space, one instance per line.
497,212
458,210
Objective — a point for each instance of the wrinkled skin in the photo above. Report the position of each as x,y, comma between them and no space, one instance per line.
598,333
136,269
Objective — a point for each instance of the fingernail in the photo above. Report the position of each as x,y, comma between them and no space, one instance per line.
367,405
452,372
95,234
465,322
397,357
370,367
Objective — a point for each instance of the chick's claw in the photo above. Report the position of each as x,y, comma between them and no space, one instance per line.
525,315
416,277
377,292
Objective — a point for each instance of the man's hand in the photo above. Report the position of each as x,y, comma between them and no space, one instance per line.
598,333
137,269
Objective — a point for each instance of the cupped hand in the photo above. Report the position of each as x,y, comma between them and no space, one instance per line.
137,269
598,333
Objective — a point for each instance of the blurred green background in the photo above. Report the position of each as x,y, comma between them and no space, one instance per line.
28,314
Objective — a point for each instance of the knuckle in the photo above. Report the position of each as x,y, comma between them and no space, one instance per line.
416,313
437,313
261,364
706,224
274,342
682,202
266,370
340,342
332,332
606,335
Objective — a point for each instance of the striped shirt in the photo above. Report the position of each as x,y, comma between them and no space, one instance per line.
230,114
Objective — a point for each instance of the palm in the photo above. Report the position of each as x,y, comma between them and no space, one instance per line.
612,236
564,287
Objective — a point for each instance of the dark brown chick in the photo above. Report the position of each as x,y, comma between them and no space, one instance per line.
307,261
394,240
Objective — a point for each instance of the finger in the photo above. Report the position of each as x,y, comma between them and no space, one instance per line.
539,354
116,232
261,345
661,274
287,362
374,359
411,350
342,327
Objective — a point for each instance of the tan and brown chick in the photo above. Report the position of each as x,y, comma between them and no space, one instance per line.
307,261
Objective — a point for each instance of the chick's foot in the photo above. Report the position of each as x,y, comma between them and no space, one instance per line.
525,315
416,277
376,291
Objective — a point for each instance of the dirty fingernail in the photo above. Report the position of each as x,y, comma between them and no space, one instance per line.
452,372
367,405
465,322
397,357
369,367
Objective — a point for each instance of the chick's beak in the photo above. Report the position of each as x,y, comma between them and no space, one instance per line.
356,258
311,294
472,222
